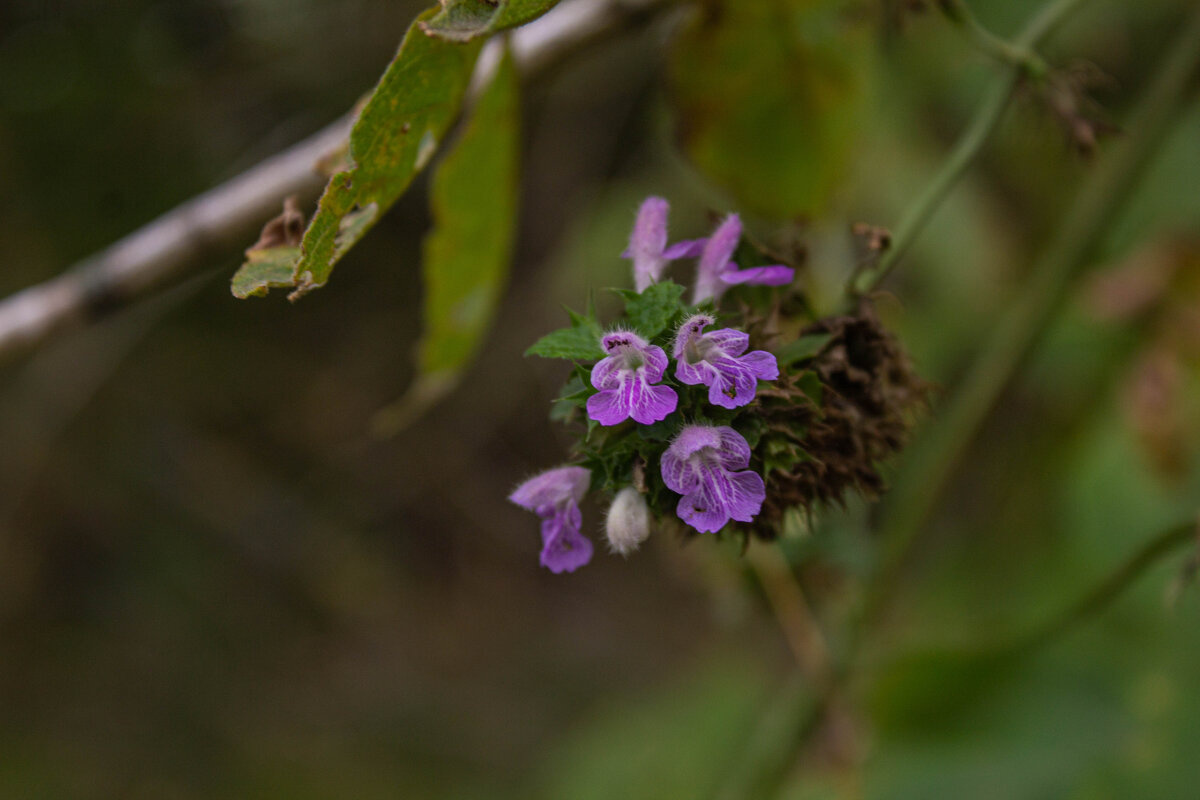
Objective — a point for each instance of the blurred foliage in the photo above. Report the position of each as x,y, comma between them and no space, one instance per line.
213,584
769,98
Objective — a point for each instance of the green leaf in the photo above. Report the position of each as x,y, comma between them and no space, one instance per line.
264,269
580,342
469,250
782,455
768,98
803,348
397,132
810,384
463,20
467,256
652,311
571,397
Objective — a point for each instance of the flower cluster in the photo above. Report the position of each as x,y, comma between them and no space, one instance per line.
662,396
685,423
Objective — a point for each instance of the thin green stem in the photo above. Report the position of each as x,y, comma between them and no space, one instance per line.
796,619
1110,588
1090,605
1016,55
923,478
965,150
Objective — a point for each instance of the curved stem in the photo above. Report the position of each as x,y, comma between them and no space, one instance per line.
1110,588
987,116
920,483
1015,54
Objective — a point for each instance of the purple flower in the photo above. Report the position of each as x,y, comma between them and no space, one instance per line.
648,244
716,272
707,465
554,495
625,378
715,359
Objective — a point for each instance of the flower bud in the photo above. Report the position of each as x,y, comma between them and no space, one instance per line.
628,522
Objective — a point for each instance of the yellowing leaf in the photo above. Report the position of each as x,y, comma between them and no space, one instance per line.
462,20
265,269
397,131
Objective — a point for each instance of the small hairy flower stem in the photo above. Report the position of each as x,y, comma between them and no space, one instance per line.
922,479
1022,62
796,619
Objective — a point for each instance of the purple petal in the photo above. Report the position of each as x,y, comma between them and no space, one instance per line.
693,439
746,498
700,373
720,246
762,364
552,487
731,384
715,258
689,331
732,380
776,275
733,450
613,342
678,473
564,548
635,399
607,408
647,404
696,510
688,248
606,373
656,363
732,342
655,403
647,241
721,496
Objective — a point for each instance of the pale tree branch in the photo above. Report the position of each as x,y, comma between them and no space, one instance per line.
224,218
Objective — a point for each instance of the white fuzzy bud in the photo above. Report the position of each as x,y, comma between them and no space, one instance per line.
628,522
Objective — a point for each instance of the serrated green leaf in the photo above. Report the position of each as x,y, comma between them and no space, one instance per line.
575,390
463,20
652,311
782,455
585,320
580,344
802,348
398,130
768,97
265,269
572,397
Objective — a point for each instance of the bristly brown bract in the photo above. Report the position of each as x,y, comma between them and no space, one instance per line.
867,399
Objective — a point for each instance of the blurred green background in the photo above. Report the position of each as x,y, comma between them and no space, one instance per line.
214,583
